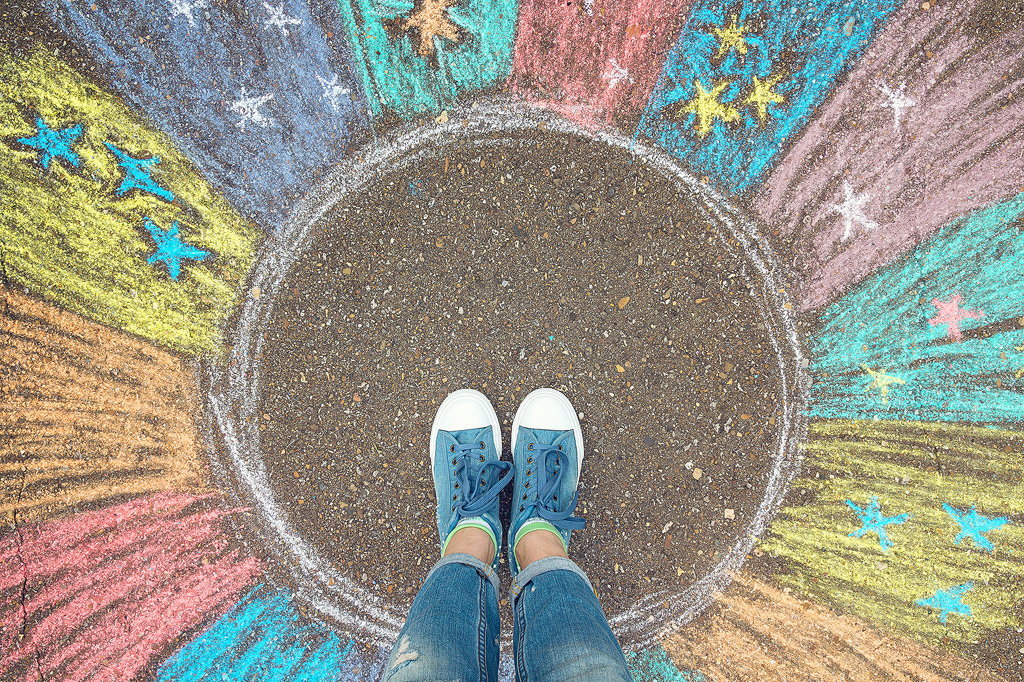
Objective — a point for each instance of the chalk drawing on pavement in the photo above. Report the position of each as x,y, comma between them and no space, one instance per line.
249,109
428,22
186,8
924,136
955,151
880,380
278,19
170,249
874,521
909,317
76,235
949,601
137,174
593,63
852,211
895,100
127,581
950,314
92,416
923,467
724,46
420,58
974,526
234,393
54,144
233,85
332,91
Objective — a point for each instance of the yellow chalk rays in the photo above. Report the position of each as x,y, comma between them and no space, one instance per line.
68,237
912,467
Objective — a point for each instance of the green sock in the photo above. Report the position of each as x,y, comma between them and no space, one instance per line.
472,522
531,525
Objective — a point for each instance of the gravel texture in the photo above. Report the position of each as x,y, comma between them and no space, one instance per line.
572,266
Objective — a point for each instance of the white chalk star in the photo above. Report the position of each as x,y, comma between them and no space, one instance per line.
851,211
897,102
332,91
249,109
185,7
614,74
278,19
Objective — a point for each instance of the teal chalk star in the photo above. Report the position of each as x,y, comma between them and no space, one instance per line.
54,143
874,520
948,601
136,174
170,249
972,525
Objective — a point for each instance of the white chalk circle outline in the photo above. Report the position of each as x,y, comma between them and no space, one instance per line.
234,387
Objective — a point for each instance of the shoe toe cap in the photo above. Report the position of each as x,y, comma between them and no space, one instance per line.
548,410
464,411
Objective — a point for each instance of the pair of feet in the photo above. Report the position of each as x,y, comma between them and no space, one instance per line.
469,475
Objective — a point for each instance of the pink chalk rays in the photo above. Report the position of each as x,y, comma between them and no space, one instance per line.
592,60
104,595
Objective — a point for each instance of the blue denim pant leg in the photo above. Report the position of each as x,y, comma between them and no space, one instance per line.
452,631
561,634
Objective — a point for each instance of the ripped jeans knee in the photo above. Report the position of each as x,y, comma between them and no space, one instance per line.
410,663
402,660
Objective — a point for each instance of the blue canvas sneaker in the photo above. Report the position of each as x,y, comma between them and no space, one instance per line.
465,456
547,452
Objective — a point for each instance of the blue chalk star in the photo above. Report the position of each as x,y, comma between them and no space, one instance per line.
170,249
948,601
874,520
54,143
136,174
972,525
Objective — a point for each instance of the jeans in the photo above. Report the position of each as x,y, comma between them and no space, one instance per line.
560,632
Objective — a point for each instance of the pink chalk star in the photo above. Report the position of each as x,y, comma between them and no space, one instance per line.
950,314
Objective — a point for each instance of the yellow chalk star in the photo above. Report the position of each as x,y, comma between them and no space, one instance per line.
881,381
761,96
707,107
730,37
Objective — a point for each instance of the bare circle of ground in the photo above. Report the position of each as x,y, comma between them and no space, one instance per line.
498,250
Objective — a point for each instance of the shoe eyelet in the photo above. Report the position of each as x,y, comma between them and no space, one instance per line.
481,458
559,447
452,447
524,497
556,497
482,483
530,446
527,485
482,446
453,507
454,497
455,461
529,460
529,472
520,507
